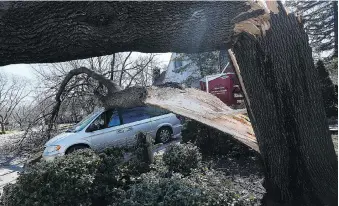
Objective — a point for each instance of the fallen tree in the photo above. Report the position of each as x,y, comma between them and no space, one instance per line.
269,50
188,102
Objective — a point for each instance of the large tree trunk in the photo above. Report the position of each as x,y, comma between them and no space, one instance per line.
287,113
36,32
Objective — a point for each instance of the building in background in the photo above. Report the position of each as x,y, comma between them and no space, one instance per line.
180,69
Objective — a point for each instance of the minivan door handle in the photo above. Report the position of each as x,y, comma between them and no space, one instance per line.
120,131
129,129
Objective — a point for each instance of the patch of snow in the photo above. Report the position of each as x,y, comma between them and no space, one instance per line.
10,163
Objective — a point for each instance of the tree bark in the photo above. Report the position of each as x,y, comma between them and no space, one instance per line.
3,128
42,32
335,13
287,113
2,125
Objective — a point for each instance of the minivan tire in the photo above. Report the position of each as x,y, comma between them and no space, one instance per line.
76,147
164,135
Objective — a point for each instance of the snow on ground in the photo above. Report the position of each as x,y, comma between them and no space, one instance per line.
10,162
9,173
162,148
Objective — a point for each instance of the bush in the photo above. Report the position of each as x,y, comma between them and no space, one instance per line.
199,188
65,181
81,178
109,180
84,178
182,158
192,184
211,141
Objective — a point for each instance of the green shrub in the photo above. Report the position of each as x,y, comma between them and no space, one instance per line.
81,178
211,141
182,158
142,156
109,181
199,188
65,181
84,178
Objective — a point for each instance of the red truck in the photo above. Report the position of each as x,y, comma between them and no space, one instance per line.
224,85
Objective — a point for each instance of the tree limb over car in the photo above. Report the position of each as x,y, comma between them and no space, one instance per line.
188,102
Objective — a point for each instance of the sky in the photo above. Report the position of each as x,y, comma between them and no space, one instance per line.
27,71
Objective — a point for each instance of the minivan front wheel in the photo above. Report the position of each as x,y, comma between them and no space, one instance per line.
164,134
76,147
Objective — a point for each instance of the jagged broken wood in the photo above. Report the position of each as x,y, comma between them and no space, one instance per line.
205,108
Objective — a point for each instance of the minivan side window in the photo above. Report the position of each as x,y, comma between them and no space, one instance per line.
98,123
155,111
134,114
107,119
114,119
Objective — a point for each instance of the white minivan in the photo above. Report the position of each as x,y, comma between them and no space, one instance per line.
115,127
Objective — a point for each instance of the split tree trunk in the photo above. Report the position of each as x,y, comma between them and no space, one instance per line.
287,113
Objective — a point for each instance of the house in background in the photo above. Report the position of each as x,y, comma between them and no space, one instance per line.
181,70
223,83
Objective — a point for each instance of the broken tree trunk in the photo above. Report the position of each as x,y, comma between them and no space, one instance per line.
205,108
286,110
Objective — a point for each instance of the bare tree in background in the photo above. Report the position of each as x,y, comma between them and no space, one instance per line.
13,90
125,69
22,115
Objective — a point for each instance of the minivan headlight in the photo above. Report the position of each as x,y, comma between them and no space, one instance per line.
52,148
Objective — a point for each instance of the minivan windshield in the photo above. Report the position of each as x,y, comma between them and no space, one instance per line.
83,123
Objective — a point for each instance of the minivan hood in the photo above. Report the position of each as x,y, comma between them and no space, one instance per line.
59,137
